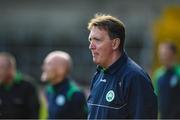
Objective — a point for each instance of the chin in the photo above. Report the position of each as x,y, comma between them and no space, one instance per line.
96,62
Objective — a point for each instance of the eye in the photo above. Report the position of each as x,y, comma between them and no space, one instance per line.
96,39
90,39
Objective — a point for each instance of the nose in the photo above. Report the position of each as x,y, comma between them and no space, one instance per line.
92,45
43,67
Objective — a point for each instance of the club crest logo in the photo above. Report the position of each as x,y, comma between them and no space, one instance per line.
110,96
174,81
60,100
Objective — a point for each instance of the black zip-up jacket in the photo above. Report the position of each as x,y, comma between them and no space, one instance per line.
19,100
123,90
66,101
169,94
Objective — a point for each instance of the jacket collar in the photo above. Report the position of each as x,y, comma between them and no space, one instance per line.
115,66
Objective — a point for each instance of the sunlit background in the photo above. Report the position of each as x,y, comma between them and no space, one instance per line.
30,29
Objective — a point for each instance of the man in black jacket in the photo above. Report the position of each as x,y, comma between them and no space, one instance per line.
120,88
167,82
18,97
65,99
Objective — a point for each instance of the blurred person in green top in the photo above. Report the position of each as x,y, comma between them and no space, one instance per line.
18,96
65,100
167,81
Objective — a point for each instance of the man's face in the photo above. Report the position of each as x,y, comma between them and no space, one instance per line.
4,69
100,46
166,56
49,70
53,69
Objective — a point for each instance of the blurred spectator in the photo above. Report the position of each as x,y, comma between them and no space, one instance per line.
18,97
65,100
167,81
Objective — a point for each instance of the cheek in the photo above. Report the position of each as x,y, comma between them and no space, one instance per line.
105,49
61,71
49,72
1,76
2,73
164,56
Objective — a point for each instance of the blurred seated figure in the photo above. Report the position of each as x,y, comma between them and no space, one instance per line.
18,96
167,81
65,99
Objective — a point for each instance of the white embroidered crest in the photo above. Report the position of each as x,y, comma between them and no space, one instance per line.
110,96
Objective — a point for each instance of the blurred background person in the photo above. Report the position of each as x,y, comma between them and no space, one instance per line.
65,100
18,97
167,81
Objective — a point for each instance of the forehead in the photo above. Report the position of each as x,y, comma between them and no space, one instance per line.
97,32
164,47
3,61
55,60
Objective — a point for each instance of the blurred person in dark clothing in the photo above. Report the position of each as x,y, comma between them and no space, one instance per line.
120,88
18,97
65,100
167,81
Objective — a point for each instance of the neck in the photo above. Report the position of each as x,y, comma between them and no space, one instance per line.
113,59
7,81
170,65
58,80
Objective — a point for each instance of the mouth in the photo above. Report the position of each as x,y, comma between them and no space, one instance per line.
43,77
94,54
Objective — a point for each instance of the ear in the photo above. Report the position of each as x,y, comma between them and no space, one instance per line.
115,44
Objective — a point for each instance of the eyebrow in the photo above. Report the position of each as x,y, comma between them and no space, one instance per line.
94,38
